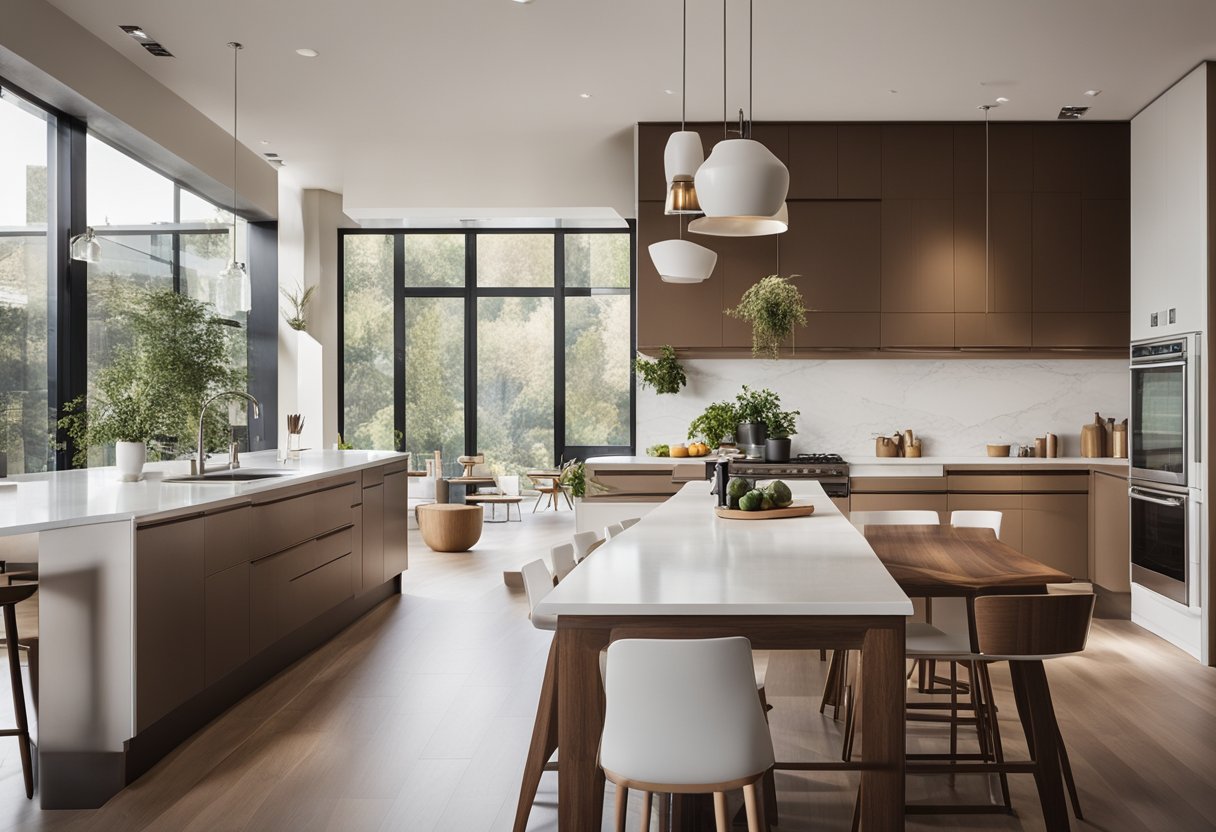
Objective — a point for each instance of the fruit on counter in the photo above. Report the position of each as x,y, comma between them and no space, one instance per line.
658,450
737,487
751,501
780,494
698,449
679,450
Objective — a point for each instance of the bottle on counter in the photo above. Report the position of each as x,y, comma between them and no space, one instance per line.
1093,438
1053,446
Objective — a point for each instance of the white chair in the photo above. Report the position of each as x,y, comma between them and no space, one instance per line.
902,517
629,522
977,520
538,583
682,717
561,559
585,543
612,530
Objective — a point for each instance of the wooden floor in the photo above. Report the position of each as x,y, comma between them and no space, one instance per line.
417,718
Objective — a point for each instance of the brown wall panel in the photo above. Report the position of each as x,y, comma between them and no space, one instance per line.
742,261
844,330
917,161
997,329
1058,286
1105,255
1080,330
859,161
683,315
1059,150
813,162
1107,164
918,255
917,329
837,248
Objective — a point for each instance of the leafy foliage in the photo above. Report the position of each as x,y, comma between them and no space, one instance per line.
664,374
299,300
782,424
773,307
756,405
153,387
716,424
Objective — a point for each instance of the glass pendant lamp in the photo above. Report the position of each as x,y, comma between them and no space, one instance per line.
86,247
233,291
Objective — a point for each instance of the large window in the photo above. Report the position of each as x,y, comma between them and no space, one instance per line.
27,136
512,344
154,234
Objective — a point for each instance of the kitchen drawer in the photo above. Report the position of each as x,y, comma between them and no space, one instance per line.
227,621
899,485
1055,531
293,587
396,516
900,502
371,567
282,524
985,483
1073,483
226,538
627,484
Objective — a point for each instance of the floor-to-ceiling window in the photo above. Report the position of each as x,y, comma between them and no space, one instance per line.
512,344
27,142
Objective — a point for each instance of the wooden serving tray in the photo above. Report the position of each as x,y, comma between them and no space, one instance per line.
805,510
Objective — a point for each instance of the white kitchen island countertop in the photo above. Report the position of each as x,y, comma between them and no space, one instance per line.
681,559
59,499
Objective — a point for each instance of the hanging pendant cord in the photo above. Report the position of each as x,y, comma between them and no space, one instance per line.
987,216
724,131
236,49
750,64
684,69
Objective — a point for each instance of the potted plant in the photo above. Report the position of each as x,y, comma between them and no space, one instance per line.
716,425
146,400
753,407
664,374
299,300
773,307
782,424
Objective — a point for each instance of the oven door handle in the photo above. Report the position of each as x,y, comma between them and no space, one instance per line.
1156,365
1137,494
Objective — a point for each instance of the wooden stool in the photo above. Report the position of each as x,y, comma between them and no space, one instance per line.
449,527
10,596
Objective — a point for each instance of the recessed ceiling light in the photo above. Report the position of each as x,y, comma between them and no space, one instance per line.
307,53
581,94
145,40
265,141
1071,113
893,92
523,2
670,92
1002,100
1093,93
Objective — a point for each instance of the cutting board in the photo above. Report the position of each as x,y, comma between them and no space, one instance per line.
805,510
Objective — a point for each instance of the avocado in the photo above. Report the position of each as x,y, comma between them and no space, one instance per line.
737,487
780,494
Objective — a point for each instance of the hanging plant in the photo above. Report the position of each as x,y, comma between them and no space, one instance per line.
773,307
299,300
664,374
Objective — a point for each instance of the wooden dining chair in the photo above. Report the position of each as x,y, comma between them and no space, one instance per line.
1023,630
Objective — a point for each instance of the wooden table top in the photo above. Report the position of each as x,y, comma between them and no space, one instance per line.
937,560
473,480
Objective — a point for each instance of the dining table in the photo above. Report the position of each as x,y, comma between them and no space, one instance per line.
951,561
798,583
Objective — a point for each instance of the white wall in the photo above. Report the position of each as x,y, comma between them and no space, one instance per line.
1169,210
957,406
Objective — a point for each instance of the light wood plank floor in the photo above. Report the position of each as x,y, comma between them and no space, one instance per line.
417,718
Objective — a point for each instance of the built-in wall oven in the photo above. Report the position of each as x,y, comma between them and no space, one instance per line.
1166,466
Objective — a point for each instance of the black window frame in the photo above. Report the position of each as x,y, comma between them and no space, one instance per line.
470,293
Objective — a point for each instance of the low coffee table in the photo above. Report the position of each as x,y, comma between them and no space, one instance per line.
493,501
449,527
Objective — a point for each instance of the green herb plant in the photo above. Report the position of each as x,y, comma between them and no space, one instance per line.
756,405
664,374
154,386
782,424
716,424
299,300
773,307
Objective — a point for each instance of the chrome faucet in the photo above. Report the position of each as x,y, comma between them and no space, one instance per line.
202,417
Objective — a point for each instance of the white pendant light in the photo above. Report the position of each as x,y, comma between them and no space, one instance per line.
85,247
778,223
684,152
233,291
682,261
741,177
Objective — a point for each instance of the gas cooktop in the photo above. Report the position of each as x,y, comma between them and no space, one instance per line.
821,459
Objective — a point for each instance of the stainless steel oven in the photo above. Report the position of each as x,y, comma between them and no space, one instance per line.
1161,546
1165,425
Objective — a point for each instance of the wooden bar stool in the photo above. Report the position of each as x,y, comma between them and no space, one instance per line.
10,597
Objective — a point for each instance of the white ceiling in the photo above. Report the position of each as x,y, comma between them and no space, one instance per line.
453,103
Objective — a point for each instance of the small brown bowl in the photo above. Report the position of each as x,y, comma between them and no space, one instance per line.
998,450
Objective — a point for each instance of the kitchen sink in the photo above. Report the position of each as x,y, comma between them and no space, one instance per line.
238,475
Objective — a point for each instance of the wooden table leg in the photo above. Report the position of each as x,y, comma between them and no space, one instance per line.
882,726
580,720
1030,680
544,742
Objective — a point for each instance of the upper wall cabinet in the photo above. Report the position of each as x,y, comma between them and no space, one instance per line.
931,236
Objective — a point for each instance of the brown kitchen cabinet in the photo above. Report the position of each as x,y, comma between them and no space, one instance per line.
901,501
1105,259
917,161
813,150
169,617
372,562
685,315
742,262
1055,530
1109,532
226,616
1057,285
394,524
917,255
1009,505
836,249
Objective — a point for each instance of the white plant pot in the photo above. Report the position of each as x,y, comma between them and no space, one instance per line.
130,458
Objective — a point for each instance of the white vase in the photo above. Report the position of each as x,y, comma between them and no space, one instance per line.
130,458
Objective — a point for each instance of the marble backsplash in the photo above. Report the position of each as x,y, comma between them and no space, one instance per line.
956,406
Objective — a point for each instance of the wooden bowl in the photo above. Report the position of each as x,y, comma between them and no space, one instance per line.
998,450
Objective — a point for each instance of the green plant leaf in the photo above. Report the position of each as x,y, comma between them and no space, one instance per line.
773,307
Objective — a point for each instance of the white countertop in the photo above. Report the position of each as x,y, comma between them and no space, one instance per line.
860,466
95,495
682,560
